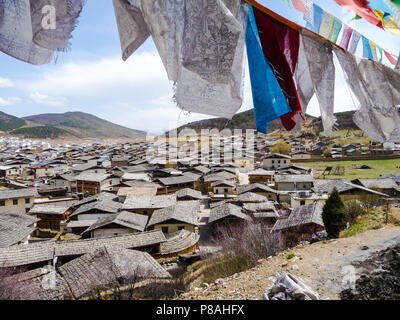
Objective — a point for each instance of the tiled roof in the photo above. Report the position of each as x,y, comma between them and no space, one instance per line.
311,213
27,254
18,193
15,228
227,210
108,267
179,241
133,202
183,211
124,219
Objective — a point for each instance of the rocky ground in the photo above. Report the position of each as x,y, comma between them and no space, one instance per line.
380,279
326,267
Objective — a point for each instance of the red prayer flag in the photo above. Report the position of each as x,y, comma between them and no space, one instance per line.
390,58
299,5
361,9
281,48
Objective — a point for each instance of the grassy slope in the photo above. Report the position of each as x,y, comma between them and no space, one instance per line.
41,132
8,122
379,167
84,125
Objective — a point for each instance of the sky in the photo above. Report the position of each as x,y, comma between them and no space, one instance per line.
92,77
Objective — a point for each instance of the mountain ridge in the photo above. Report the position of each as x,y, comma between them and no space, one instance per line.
246,120
72,124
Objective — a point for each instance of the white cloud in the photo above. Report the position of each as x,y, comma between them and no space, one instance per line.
142,76
9,101
6,83
44,99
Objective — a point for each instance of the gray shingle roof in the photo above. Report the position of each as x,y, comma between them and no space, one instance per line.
109,267
103,206
125,219
252,187
179,241
227,210
299,178
311,213
386,183
259,207
14,228
187,192
249,197
129,241
342,185
27,254
48,208
185,178
93,177
184,211
223,175
31,285
222,183
18,193
133,202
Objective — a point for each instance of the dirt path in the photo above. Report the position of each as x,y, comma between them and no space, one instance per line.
320,265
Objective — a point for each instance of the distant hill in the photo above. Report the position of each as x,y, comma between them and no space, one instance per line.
41,132
83,125
8,122
77,125
246,120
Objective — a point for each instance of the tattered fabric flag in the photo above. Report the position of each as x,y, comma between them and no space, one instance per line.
211,79
361,9
66,14
319,56
380,50
132,28
318,14
281,49
202,47
367,50
335,31
16,33
374,51
309,14
287,2
326,25
268,98
390,57
388,23
347,32
377,88
299,5
355,39
305,87
396,10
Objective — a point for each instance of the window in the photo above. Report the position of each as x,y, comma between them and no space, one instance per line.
181,227
15,202
2,203
164,229
27,200
302,202
226,190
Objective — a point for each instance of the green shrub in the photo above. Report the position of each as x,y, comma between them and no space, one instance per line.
334,214
290,256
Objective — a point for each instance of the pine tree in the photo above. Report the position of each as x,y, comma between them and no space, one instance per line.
334,214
